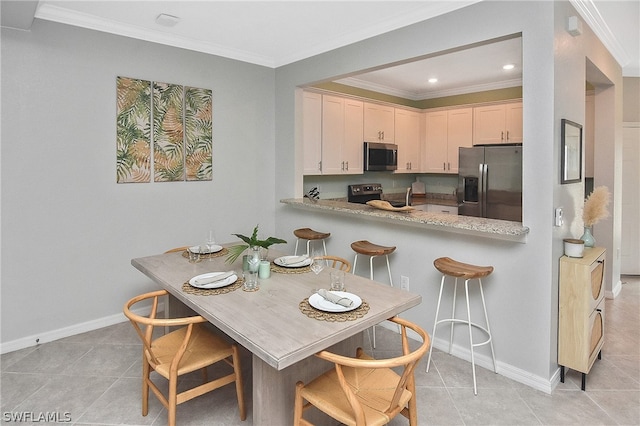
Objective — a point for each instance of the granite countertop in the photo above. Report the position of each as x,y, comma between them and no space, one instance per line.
490,228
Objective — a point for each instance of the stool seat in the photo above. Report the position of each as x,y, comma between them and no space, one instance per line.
310,234
370,249
457,269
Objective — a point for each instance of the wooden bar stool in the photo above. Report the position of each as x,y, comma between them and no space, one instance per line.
366,248
310,235
451,268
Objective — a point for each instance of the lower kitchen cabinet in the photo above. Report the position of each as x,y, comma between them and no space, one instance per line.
581,311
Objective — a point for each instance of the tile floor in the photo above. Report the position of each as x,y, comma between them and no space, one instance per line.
95,378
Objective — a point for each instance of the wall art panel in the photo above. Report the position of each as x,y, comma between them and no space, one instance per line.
168,132
133,142
198,133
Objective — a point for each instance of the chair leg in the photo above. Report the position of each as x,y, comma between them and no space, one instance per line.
146,370
172,400
473,360
239,385
435,322
453,312
298,403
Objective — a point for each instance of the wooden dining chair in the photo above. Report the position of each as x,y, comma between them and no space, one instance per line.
189,348
336,262
365,391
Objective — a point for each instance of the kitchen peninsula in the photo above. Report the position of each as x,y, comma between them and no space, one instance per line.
477,226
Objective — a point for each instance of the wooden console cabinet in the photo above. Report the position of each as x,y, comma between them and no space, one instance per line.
581,311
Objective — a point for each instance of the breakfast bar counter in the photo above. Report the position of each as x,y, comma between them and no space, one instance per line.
477,226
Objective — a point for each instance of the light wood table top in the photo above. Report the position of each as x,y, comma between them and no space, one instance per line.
269,322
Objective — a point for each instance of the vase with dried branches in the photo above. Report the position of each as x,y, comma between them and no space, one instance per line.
595,209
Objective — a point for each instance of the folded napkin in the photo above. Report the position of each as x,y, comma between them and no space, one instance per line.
213,279
334,298
293,260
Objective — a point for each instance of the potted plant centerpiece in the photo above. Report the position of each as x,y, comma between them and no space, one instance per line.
252,243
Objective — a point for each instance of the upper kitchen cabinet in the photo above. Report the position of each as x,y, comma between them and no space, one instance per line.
312,133
496,124
407,137
378,123
342,135
446,131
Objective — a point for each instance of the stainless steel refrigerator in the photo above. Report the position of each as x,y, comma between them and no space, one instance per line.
490,182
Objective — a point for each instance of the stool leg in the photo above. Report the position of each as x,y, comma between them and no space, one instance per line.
308,247
371,278
355,261
295,253
473,361
453,313
435,322
389,269
325,247
486,319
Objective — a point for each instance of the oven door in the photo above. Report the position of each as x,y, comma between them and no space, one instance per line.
380,156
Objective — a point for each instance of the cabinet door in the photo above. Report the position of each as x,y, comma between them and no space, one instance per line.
489,124
438,208
378,123
312,133
459,134
407,137
514,122
352,150
435,159
332,134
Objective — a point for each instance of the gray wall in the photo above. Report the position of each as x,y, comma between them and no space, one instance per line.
522,293
68,230
631,100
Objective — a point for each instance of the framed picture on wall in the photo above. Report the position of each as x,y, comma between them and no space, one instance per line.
571,155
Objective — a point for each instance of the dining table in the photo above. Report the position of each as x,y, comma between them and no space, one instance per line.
276,323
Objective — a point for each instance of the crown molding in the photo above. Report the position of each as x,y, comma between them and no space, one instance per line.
428,94
590,13
61,15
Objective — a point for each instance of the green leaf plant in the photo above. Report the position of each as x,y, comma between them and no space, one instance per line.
237,250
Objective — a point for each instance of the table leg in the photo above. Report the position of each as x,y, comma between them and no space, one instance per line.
274,391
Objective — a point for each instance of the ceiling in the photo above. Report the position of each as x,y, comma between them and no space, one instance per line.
276,33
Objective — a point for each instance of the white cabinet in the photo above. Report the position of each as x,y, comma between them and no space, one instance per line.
437,208
495,124
312,133
446,131
378,123
341,135
407,137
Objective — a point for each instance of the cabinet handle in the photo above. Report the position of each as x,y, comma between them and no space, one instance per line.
600,261
382,135
320,165
342,166
448,166
502,135
347,166
507,135
599,310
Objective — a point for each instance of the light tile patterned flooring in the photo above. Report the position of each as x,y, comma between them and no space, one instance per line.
95,378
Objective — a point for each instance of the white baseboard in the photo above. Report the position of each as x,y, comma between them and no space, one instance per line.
53,335
514,373
615,291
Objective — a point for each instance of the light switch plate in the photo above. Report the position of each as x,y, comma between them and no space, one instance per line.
559,217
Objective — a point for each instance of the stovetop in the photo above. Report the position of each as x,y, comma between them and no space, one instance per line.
363,192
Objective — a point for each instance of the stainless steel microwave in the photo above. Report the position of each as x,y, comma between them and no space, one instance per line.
380,156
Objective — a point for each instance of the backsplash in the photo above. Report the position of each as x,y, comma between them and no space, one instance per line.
335,186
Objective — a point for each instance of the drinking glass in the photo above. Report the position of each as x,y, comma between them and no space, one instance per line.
211,241
337,280
317,265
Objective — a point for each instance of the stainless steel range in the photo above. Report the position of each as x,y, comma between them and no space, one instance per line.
361,193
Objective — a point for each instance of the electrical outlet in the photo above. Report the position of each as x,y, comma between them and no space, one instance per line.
404,283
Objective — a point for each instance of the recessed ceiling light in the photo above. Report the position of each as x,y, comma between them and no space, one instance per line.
508,67
167,20
433,80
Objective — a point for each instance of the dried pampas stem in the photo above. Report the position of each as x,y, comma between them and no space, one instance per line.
595,207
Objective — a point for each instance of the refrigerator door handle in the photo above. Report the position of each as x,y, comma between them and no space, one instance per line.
483,189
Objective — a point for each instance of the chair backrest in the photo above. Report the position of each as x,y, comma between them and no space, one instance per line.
149,322
336,262
408,360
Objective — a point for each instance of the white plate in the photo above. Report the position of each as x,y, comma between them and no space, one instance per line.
214,249
216,284
284,262
323,304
